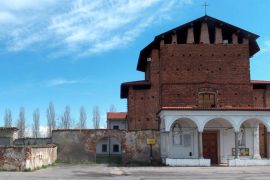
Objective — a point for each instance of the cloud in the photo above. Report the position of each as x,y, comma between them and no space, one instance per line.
7,17
266,46
59,82
24,4
43,130
79,27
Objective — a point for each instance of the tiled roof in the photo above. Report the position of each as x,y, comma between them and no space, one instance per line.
259,82
116,115
145,53
218,109
132,83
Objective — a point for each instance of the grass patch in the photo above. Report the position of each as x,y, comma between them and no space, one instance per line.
106,159
12,170
72,162
27,170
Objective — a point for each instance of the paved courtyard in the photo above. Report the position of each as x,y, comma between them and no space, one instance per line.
64,171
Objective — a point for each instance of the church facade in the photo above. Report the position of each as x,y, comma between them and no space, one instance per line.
198,93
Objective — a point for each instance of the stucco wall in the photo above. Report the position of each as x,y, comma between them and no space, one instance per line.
122,124
80,145
22,158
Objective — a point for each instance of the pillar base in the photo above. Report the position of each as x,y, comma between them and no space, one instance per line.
257,156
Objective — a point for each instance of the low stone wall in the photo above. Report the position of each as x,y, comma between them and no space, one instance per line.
5,141
32,141
22,158
248,162
188,162
80,145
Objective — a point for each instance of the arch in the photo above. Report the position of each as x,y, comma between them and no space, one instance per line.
220,119
264,122
108,150
185,121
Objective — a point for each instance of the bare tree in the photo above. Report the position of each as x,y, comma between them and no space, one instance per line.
8,118
112,108
83,117
35,127
51,122
96,117
66,119
21,123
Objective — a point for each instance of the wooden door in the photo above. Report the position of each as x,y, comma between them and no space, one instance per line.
210,146
263,140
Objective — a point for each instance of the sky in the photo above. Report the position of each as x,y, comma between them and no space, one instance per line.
78,52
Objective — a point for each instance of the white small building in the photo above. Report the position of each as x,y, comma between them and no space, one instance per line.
117,120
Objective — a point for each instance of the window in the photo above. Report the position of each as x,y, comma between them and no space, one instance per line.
207,100
104,147
115,148
115,127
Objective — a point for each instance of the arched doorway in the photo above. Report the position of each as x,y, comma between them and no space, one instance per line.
108,151
258,137
218,140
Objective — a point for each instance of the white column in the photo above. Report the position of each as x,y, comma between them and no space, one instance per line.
218,36
236,155
200,145
204,34
268,145
190,36
256,143
164,143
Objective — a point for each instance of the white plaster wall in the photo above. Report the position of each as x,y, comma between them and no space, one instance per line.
41,157
226,143
201,118
121,123
180,151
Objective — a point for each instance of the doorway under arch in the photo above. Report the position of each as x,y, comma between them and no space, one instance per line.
108,151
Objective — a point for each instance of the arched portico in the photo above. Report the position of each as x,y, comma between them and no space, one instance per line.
232,129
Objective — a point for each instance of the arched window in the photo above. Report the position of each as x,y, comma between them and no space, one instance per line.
207,100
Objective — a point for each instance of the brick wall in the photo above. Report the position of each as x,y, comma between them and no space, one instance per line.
80,145
178,72
187,68
261,97
144,104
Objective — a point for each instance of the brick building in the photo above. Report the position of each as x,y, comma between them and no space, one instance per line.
197,91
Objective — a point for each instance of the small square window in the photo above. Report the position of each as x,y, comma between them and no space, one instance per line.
104,147
115,148
115,127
